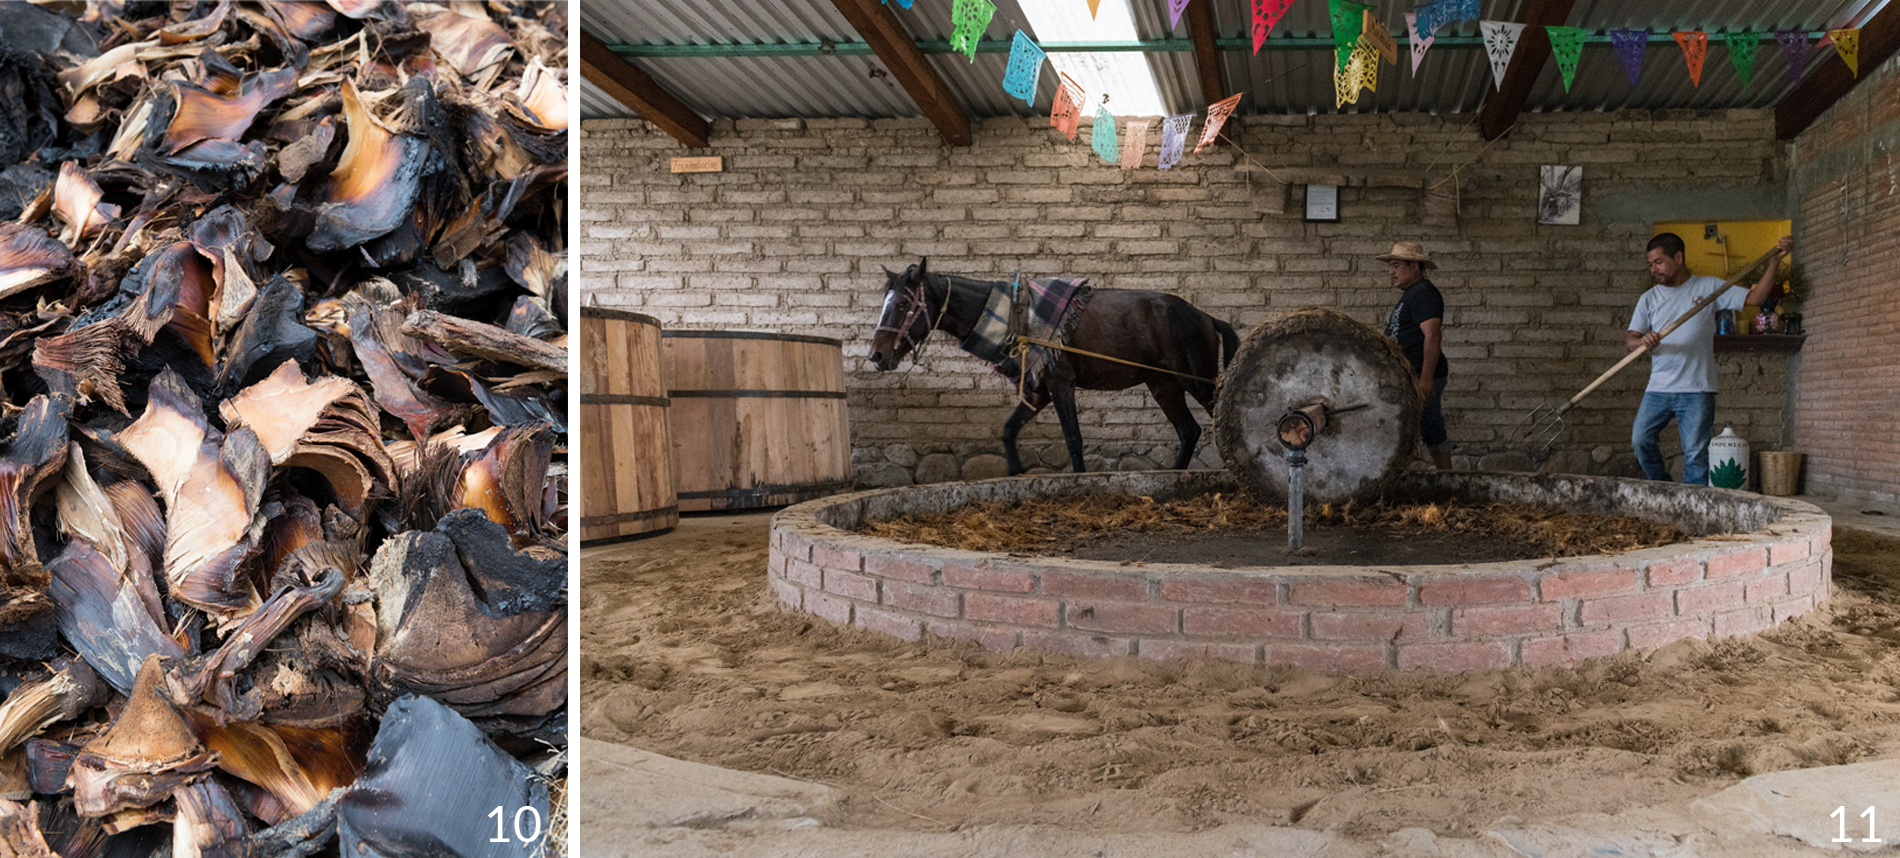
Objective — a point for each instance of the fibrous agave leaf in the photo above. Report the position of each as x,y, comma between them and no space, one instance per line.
296,766
200,114
211,485
466,619
375,332
507,480
70,692
283,407
196,28
471,45
85,76
544,96
103,616
209,824
35,453
29,257
304,19
76,197
86,512
147,754
399,808
216,679
20,835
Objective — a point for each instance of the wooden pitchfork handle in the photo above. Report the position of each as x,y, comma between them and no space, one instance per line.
1668,329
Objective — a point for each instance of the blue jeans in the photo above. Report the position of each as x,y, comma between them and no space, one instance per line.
1694,414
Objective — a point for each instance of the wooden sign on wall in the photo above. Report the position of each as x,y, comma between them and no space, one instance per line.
706,164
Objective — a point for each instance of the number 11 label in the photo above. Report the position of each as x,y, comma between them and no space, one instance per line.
1868,814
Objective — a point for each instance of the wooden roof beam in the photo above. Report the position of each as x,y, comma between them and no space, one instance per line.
1206,52
636,89
1831,82
1500,111
893,44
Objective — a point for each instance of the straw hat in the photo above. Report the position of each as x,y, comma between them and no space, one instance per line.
1410,251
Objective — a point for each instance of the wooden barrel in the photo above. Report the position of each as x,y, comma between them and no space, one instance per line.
626,453
759,419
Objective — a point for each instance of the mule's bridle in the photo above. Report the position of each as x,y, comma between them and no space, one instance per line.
916,295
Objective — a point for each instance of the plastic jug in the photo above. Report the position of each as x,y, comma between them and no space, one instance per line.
1728,460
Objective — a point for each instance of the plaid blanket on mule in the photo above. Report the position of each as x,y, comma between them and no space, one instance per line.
1045,310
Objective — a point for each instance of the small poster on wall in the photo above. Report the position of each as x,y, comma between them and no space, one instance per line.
1560,195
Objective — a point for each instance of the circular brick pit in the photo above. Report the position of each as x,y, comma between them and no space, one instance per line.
1759,561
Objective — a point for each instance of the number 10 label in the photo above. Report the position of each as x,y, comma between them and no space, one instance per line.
1869,814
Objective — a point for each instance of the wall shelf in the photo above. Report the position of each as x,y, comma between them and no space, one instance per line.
1783,343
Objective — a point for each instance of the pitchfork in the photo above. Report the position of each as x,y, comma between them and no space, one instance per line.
1547,421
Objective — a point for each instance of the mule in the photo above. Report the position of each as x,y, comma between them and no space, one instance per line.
1180,350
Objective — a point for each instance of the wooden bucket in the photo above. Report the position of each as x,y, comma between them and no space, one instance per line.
759,420
626,453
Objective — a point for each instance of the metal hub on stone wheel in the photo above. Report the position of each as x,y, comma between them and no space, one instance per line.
1316,356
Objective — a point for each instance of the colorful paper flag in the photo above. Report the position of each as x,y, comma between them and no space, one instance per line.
1217,114
1361,73
1093,5
1695,48
1174,12
972,18
1347,17
1025,68
1419,41
1566,44
1102,136
1741,53
1266,13
1630,45
903,3
1137,133
1794,43
1428,17
1847,44
1375,33
1174,131
1500,42
1067,113
1431,16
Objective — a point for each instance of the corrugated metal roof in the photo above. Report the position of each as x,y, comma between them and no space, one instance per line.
1452,79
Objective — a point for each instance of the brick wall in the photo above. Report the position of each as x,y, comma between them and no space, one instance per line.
1846,414
792,235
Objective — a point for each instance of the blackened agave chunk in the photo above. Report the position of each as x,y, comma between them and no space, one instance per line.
69,693
468,620
429,771
209,824
30,257
375,183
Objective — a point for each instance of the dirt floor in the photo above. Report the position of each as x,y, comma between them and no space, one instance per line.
685,654
1234,530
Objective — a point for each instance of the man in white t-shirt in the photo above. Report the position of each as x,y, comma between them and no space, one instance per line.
1682,365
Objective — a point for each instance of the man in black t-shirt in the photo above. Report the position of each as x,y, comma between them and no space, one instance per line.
1417,322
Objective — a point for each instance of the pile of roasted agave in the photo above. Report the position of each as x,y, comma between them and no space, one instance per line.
282,382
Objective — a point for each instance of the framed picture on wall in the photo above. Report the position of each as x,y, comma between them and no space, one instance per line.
1322,203
1560,195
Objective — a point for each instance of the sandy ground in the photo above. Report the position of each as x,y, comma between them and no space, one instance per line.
684,654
